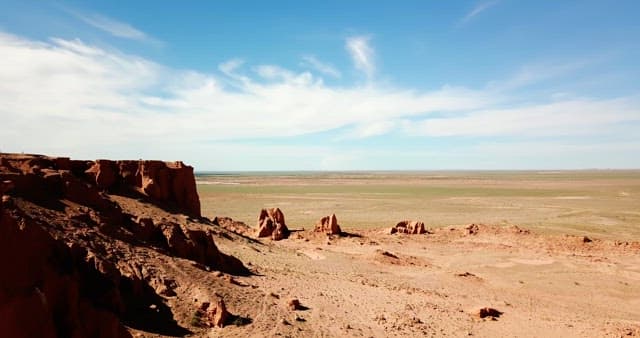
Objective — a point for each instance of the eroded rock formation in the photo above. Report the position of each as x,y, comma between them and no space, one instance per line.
271,224
217,315
408,227
68,251
168,184
199,246
172,183
50,289
328,225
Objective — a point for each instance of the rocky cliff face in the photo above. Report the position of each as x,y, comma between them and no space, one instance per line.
170,183
70,257
51,289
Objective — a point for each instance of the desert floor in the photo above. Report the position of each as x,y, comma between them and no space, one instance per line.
532,261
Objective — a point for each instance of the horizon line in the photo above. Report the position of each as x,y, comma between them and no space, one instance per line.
410,170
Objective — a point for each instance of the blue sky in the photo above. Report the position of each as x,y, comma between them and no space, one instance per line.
331,85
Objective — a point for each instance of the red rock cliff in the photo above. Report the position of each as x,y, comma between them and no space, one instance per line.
63,240
170,183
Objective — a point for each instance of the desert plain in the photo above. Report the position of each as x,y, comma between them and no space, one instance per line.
589,202
555,251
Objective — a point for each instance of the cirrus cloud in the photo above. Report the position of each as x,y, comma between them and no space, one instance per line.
362,54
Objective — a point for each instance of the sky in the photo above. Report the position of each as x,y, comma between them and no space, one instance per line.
325,85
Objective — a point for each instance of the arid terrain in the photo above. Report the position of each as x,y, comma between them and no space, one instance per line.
124,248
603,203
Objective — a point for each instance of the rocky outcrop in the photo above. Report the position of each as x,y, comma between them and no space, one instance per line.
271,224
199,246
328,225
217,315
69,254
409,227
213,316
167,184
170,183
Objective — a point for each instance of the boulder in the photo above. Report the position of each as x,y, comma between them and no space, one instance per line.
217,315
271,224
473,229
328,225
294,304
409,227
489,312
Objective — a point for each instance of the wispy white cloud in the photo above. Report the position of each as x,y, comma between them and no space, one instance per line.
477,9
229,67
362,54
322,67
273,72
540,72
112,26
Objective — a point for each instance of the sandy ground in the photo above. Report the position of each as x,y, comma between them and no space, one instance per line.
372,284
433,285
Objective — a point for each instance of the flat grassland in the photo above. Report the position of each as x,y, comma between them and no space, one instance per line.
602,203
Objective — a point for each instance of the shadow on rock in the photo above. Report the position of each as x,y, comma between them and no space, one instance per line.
149,313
